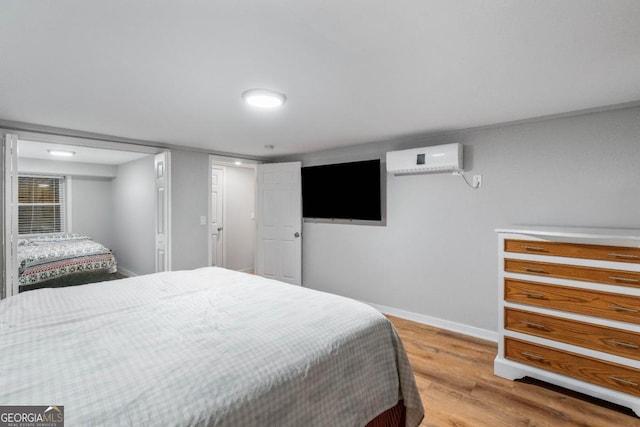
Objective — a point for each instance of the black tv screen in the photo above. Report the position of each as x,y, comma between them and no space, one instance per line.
348,191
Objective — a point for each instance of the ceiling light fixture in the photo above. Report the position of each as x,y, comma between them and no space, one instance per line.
61,153
263,98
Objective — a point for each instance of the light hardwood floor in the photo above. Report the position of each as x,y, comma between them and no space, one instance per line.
455,377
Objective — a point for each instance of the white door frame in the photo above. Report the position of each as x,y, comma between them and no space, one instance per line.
10,216
217,228
162,165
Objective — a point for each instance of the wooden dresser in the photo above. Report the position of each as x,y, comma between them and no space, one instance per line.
570,309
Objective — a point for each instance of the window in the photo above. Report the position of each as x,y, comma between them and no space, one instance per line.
41,207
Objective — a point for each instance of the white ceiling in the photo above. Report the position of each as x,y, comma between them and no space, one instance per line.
353,71
83,154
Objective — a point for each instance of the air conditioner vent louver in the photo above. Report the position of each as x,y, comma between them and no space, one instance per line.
438,158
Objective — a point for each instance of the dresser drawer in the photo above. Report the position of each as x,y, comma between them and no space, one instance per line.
608,340
606,374
593,303
574,250
563,271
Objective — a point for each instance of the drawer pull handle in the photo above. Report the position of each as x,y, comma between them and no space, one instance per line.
622,381
533,270
532,294
623,279
624,256
532,356
533,325
623,343
534,248
618,308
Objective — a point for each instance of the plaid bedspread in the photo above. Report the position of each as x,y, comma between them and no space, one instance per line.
205,347
47,257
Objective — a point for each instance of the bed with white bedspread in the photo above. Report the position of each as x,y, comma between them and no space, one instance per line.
208,347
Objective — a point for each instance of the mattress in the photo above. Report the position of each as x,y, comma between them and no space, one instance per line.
204,347
43,258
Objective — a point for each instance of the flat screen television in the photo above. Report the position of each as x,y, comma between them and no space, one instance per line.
343,191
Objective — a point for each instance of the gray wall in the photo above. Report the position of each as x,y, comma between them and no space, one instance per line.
91,208
133,216
437,256
239,219
189,200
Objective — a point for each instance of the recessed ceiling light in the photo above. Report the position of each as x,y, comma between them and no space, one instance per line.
61,153
237,163
263,98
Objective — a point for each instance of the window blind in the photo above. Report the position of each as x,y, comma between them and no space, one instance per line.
41,207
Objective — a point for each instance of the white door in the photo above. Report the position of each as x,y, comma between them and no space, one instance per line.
10,217
217,219
163,211
279,254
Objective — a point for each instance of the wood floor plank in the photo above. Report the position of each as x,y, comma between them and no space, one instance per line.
454,374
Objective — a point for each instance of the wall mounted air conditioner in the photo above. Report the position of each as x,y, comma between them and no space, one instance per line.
438,158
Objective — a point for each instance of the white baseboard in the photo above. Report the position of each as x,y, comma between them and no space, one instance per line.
126,272
460,328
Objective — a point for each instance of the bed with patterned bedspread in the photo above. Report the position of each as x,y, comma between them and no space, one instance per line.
43,258
208,347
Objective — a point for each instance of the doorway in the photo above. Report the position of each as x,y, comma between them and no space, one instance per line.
232,213
105,187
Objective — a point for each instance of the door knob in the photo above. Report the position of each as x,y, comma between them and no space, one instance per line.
296,234
219,228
